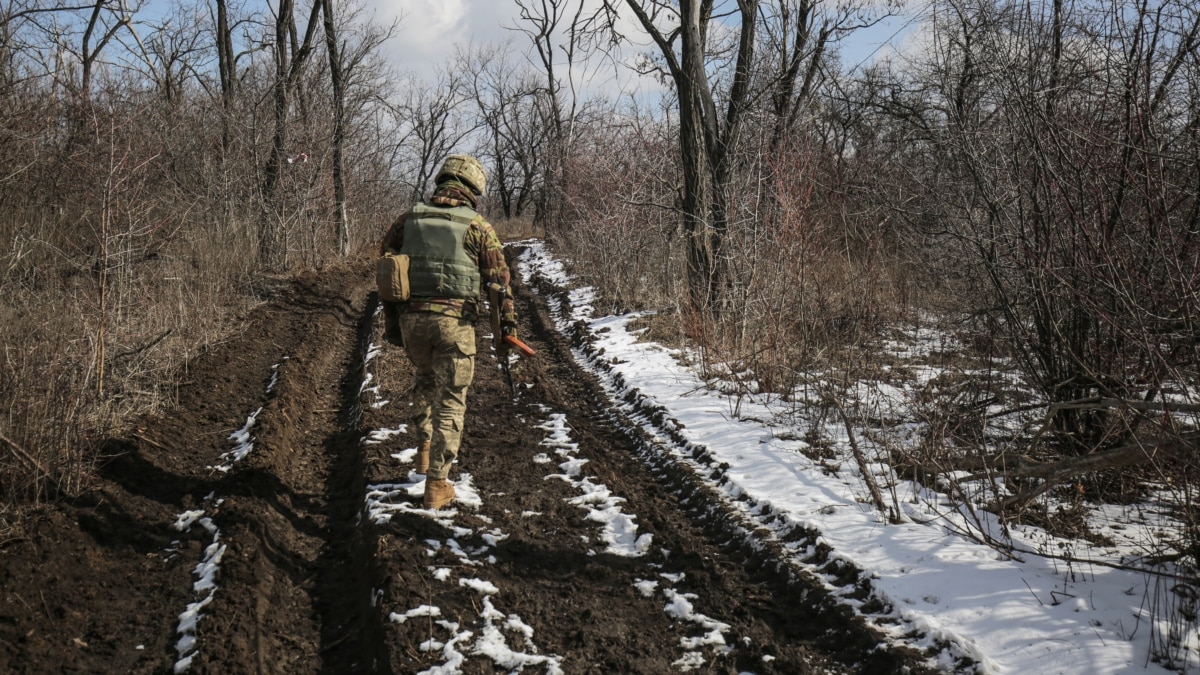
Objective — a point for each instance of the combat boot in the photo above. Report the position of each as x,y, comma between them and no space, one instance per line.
423,458
438,493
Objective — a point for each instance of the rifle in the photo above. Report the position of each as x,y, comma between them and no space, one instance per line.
496,295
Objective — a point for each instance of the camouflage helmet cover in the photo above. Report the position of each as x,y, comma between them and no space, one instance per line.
466,169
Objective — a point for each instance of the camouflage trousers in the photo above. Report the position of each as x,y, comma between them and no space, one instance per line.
442,351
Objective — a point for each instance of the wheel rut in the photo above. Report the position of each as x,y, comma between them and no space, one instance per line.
706,594
351,626
295,583
278,507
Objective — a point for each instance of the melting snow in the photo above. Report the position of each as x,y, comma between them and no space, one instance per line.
1028,614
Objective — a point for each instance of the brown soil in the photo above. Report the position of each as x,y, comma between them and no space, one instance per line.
308,582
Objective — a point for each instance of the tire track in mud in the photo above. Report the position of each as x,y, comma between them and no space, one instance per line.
519,575
706,571
351,627
791,560
295,582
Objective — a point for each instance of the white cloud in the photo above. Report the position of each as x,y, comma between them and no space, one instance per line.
429,30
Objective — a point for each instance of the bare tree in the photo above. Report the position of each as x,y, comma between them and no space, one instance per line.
170,52
509,101
348,48
433,123
708,137
562,34
291,57
103,23
797,38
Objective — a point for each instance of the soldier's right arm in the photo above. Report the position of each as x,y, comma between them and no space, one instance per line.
484,245
394,239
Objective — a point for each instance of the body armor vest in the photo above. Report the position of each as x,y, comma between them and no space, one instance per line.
439,266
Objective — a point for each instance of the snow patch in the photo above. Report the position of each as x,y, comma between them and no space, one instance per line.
618,530
205,586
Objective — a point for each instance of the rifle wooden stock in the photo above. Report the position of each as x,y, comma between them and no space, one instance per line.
494,300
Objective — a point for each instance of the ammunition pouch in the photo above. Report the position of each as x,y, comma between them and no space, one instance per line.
391,277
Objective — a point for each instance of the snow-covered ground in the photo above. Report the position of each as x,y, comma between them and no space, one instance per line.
1031,611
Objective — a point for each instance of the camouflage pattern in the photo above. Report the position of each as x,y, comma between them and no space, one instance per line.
466,169
481,244
442,351
439,333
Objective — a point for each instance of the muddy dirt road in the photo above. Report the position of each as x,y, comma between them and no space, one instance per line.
273,524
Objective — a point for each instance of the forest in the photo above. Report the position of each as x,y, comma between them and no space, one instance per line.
1023,175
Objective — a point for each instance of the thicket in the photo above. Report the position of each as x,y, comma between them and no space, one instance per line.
1024,174
1029,170
1052,150
151,193
1028,173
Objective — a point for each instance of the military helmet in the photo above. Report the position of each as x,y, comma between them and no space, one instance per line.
466,169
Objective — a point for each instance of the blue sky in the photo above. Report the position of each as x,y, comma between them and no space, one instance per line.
429,30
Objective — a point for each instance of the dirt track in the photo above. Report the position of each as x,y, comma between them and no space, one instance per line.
330,566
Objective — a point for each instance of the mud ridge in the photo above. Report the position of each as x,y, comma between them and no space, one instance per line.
289,581
784,555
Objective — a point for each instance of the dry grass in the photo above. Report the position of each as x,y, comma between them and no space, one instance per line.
58,400
516,229
123,254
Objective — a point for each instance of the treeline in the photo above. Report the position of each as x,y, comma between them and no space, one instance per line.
159,172
1030,168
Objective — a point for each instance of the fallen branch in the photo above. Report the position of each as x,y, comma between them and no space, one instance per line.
876,495
1101,403
1054,473
142,438
29,460
131,352
1003,461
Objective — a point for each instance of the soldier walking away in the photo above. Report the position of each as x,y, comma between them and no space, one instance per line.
453,253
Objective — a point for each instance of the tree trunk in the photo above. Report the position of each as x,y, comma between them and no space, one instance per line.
339,129
227,69
695,113
288,66
707,147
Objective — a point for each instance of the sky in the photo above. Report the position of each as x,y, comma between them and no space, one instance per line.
428,32
429,29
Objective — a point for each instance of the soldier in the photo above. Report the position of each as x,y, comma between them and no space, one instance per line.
452,251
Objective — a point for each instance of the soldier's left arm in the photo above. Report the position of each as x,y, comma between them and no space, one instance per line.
484,245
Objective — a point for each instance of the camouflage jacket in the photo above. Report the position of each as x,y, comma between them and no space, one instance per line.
481,244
